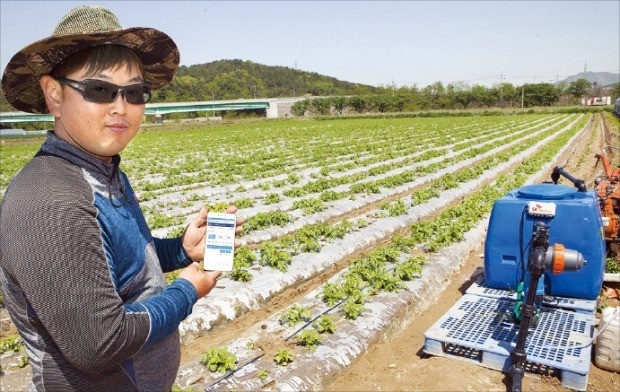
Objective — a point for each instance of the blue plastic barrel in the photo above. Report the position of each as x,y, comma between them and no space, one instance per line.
576,224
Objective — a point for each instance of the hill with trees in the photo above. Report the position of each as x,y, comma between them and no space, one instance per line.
235,79
603,79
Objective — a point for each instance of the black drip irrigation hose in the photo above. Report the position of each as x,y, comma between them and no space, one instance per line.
343,300
315,318
229,374
308,323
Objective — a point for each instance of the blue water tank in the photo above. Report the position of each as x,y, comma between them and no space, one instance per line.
576,223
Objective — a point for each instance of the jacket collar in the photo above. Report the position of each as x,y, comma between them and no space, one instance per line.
107,174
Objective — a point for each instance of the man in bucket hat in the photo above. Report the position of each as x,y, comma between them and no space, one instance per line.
81,274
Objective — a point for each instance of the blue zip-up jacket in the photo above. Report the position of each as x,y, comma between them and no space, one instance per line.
82,276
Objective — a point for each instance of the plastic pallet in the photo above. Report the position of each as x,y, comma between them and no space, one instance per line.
481,330
579,305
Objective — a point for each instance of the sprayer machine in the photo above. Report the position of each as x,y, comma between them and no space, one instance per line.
544,263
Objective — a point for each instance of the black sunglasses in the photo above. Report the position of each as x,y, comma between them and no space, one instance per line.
100,91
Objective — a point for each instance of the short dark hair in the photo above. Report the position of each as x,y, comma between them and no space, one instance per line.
97,59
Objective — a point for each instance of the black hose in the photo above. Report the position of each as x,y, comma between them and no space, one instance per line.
536,268
555,176
516,374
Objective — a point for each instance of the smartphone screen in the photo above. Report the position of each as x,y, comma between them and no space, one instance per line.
220,241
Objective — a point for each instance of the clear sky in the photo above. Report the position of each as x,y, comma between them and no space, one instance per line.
370,42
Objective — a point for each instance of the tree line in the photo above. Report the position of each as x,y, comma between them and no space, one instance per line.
455,97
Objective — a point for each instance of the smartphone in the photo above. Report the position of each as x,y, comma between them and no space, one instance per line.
220,241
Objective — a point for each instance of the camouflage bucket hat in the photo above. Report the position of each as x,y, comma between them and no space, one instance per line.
82,28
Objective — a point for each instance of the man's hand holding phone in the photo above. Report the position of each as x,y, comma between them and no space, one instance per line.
194,237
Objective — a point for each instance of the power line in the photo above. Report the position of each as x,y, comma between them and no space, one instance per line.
502,78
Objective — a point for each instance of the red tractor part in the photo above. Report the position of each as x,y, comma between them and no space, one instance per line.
608,191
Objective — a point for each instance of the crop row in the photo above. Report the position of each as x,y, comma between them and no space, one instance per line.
346,166
238,166
356,183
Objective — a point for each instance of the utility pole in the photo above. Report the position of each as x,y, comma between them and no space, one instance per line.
213,104
522,97
393,89
585,63
501,89
295,94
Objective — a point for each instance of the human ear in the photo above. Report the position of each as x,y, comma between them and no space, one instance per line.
52,90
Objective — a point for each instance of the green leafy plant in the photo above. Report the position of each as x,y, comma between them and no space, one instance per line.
244,202
292,178
361,223
352,284
244,257
612,266
220,206
263,220
396,208
294,315
310,339
352,309
332,293
219,360
310,245
279,183
240,275
274,257
263,374
23,361
176,232
423,195
309,206
11,344
283,357
410,268
389,254
271,198
328,196
157,220
324,324
176,388
170,277
340,230
382,280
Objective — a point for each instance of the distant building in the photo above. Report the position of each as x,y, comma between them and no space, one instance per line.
596,101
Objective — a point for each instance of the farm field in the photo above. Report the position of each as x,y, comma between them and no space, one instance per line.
352,227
